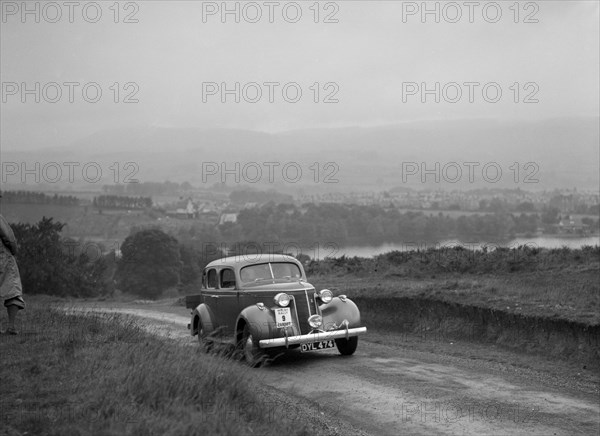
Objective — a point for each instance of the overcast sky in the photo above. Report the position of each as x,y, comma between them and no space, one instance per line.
367,56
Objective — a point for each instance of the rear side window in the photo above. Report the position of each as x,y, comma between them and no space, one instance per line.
227,278
211,279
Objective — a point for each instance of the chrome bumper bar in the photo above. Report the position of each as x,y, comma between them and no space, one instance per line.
311,337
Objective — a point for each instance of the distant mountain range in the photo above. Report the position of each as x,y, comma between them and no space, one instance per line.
561,153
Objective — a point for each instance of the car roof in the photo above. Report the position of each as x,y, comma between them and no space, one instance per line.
251,259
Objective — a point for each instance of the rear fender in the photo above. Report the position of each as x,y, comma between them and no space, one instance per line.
203,314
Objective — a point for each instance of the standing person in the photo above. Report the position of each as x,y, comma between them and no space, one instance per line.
11,290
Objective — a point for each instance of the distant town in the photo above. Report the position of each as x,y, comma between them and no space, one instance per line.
567,211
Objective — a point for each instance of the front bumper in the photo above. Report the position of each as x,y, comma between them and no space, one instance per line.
311,337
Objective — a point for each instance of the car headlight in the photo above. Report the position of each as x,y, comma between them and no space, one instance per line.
282,299
325,295
315,321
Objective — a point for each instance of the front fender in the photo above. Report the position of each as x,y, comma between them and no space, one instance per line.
336,311
260,321
203,314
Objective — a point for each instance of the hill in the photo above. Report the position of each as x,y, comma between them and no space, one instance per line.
564,151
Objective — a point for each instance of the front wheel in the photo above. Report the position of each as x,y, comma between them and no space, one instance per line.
253,355
347,347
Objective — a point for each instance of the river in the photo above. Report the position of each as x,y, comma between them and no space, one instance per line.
538,241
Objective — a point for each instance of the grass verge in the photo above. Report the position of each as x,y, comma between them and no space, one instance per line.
554,312
75,374
569,292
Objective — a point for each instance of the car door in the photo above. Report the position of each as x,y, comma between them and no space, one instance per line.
228,299
252,275
211,294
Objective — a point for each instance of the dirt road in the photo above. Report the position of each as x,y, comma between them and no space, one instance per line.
405,387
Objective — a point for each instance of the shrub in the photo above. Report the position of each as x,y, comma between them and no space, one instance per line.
150,263
48,267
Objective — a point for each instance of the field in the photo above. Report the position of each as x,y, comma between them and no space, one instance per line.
82,221
68,374
540,301
546,283
560,294
110,227
33,213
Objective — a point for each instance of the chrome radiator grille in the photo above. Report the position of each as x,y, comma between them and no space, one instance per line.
301,305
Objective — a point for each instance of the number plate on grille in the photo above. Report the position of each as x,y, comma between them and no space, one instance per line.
283,317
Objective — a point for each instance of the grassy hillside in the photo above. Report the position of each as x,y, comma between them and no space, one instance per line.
33,213
556,283
102,374
82,221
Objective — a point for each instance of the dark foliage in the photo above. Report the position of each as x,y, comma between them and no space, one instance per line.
122,202
30,197
48,264
459,259
243,196
348,224
150,263
193,262
148,189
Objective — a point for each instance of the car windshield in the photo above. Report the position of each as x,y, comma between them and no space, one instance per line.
262,271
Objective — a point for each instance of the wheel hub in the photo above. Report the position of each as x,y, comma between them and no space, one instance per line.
249,347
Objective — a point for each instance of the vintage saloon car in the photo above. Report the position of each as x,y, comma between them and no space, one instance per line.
262,303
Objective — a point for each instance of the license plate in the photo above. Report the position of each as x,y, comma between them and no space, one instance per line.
283,317
317,346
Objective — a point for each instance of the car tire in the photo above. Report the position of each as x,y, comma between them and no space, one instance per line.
347,347
205,343
253,355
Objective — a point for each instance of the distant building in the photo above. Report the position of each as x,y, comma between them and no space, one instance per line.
190,209
228,218
185,210
208,217
574,226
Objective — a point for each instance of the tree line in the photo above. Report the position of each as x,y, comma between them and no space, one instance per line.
149,262
147,189
31,197
348,224
122,202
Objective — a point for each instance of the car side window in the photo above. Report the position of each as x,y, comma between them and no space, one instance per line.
211,279
227,278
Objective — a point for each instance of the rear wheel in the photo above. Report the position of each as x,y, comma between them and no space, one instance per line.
347,347
205,343
253,355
